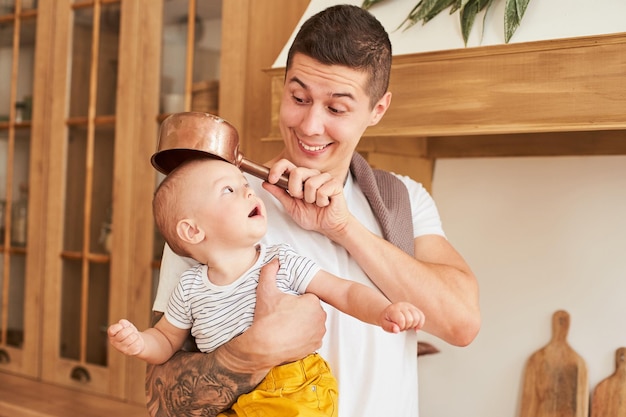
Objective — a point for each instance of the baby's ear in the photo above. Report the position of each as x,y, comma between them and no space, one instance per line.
189,231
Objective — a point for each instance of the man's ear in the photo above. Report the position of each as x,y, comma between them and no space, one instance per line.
189,231
380,108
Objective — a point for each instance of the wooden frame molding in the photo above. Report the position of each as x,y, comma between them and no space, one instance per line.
563,85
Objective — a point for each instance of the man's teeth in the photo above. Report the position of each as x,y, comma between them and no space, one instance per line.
312,148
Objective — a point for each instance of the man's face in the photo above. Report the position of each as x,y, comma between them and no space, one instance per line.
323,114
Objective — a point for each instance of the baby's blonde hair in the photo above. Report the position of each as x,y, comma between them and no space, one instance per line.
167,207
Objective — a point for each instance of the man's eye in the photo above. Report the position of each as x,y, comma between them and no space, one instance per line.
336,110
227,190
297,99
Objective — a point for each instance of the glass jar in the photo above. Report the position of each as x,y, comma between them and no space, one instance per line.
19,216
2,210
20,108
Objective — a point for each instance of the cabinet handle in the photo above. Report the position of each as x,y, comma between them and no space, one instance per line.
4,356
80,374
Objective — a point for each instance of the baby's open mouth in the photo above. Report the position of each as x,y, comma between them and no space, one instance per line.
254,212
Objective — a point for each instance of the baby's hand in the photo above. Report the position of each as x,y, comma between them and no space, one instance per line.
402,316
125,337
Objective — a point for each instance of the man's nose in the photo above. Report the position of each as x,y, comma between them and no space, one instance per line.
312,121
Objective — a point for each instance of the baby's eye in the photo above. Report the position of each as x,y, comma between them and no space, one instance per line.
227,190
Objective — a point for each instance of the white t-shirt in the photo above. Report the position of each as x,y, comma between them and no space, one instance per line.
376,370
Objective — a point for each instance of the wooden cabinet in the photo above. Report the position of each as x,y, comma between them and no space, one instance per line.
20,190
102,74
556,97
77,159
101,128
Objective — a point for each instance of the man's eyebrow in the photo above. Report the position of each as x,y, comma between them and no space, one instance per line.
298,81
301,83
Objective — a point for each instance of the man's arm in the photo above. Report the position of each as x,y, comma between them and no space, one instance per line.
436,279
193,383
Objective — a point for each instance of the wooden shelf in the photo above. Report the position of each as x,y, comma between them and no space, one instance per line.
563,85
546,98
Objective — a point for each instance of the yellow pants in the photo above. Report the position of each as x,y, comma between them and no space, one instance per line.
305,388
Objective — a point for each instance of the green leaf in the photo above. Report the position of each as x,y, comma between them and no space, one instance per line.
426,10
489,3
431,8
437,8
369,3
468,15
410,19
456,6
521,8
513,12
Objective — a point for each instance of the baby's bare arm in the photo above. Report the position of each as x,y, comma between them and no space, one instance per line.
365,303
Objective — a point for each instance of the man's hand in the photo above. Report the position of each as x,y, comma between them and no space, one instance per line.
286,327
314,200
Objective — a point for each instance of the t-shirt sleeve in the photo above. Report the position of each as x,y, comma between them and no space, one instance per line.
426,220
178,312
172,267
299,269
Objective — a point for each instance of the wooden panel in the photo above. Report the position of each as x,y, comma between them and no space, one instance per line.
396,146
26,359
574,84
27,398
138,98
562,85
419,169
56,130
245,95
609,142
133,183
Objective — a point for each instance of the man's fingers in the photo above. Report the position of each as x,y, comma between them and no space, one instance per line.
267,278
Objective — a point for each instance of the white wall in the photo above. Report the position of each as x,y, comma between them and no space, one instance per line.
541,234
551,19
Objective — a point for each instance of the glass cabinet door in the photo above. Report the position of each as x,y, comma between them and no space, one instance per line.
190,67
19,335
102,131
78,338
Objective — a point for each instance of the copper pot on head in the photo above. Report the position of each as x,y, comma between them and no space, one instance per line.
192,135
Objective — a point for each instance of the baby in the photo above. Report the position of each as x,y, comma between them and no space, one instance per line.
205,210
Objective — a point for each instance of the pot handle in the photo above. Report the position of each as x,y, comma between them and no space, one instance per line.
261,171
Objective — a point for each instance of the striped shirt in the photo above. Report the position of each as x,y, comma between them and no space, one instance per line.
215,314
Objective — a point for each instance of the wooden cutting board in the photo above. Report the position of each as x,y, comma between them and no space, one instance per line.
609,397
555,378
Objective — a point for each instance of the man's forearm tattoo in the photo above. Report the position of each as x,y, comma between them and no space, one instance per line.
192,384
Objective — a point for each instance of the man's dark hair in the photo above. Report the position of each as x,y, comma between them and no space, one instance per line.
349,36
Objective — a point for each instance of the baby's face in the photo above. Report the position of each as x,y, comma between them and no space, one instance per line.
223,203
